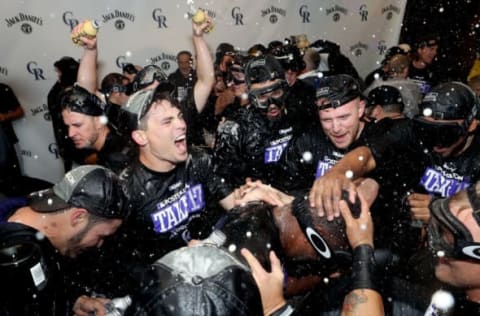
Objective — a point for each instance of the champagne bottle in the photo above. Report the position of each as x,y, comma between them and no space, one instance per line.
89,29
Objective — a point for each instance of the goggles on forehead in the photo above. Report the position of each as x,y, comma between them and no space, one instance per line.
274,94
448,235
442,134
127,89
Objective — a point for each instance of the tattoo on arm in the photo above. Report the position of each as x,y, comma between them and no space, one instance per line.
352,302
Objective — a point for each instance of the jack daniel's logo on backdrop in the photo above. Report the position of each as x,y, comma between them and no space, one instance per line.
164,61
335,12
273,13
389,10
358,49
120,17
26,20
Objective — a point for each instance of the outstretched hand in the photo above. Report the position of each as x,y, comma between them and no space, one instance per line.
359,230
270,284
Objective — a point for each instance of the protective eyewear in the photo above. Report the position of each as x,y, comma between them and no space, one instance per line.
274,94
448,236
442,134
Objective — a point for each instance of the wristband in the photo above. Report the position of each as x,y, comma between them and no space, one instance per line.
285,310
363,268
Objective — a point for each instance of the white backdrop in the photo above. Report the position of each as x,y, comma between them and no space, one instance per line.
35,33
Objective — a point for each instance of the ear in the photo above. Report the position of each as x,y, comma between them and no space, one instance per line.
361,108
376,111
78,216
139,137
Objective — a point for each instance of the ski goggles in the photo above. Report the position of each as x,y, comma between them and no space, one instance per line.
442,134
274,94
449,237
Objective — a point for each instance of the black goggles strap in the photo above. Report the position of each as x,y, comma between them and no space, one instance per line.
473,198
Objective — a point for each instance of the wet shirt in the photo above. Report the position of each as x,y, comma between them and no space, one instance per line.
114,153
437,175
425,78
168,209
311,155
251,146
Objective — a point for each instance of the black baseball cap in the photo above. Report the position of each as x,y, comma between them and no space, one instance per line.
384,95
336,90
147,76
92,187
200,280
263,68
79,100
449,101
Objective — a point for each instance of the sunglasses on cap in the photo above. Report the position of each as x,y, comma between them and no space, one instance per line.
442,134
449,236
274,94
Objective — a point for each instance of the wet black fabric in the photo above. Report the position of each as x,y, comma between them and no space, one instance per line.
115,153
34,285
425,78
8,103
311,154
167,209
250,146
199,280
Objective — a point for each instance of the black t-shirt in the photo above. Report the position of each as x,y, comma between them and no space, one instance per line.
32,281
425,78
250,146
311,154
114,153
168,209
8,103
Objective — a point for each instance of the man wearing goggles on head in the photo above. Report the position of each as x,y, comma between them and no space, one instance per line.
444,140
454,239
251,143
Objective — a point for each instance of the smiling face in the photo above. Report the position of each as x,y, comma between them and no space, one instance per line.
162,141
342,125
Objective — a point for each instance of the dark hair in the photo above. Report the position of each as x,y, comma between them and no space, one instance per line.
184,52
130,69
158,96
111,81
393,108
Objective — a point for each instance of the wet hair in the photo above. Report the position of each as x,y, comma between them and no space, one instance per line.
157,97
112,81
397,64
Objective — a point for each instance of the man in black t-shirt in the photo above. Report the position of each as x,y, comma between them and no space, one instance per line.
76,214
10,110
420,70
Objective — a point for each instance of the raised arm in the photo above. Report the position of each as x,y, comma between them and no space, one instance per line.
87,71
363,299
204,65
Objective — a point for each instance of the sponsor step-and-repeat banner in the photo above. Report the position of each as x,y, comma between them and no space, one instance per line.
36,33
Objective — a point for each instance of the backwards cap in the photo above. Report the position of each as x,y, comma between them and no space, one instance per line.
201,280
91,187
336,90
263,68
449,101
79,100
384,95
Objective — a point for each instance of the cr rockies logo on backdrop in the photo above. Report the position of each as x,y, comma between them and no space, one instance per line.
25,20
